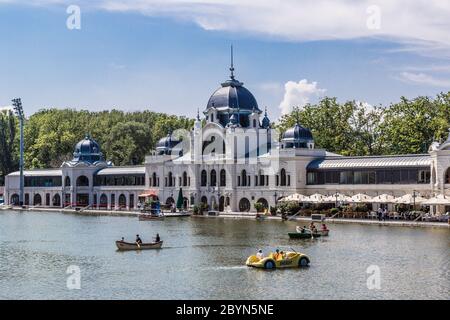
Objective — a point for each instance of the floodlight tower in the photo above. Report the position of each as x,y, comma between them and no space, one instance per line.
17,104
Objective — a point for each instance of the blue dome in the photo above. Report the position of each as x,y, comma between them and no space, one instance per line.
265,121
166,144
87,150
297,137
232,95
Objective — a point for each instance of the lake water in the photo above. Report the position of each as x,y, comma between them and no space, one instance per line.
204,258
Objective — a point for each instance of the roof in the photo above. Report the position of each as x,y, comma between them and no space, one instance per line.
232,94
415,160
39,173
121,170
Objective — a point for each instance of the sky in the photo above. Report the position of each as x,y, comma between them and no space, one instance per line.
169,56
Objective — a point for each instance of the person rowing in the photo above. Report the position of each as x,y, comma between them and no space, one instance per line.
138,240
157,238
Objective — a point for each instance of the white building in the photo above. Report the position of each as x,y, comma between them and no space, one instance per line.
230,161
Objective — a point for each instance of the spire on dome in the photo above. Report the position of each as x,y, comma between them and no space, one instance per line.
231,65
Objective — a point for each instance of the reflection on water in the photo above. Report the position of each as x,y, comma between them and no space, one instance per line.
204,259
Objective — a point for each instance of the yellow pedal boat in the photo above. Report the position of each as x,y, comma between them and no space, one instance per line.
291,260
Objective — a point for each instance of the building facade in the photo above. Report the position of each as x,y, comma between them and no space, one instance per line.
230,160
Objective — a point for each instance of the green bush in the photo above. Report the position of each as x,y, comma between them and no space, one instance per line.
259,207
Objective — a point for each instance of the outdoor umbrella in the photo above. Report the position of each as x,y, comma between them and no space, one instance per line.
361,197
383,198
315,198
339,197
180,200
409,199
440,199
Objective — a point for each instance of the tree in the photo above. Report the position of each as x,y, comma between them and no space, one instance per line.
8,144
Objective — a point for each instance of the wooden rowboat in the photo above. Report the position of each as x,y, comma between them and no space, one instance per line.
124,246
299,235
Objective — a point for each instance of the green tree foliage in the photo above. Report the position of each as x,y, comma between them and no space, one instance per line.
351,128
8,144
125,137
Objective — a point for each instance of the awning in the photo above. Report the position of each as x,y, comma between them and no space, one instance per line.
383,198
361,198
410,199
438,200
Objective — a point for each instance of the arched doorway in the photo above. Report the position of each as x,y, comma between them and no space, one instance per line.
244,205
170,201
221,203
204,200
122,201
47,199
263,202
185,203
103,201
67,181
203,178
213,203
15,199
56,201
82,181
37,199
27,199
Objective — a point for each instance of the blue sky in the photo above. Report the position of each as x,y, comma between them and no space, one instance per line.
170,56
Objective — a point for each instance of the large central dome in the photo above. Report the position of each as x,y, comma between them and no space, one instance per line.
232,95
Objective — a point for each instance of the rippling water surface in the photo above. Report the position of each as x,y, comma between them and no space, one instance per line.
203,258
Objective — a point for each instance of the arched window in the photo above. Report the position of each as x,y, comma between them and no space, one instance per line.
122,201
244,205
185,179
447,176
203,178
243,178
47,199
56,201
103,201
283,177
82,181
223,178
204,200
67,181
170,179
15,199
154,179
37,199
213,178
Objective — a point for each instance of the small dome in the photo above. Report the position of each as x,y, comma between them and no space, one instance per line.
265,121
166,144
87,150
297,137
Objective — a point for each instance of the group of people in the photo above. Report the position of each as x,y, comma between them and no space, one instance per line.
138,240
382,214
312,228
278,255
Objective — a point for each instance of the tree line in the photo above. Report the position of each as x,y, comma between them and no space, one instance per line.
350,128
354,129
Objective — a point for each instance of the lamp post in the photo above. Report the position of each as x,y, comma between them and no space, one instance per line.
414,200
336,202
17,104
275,196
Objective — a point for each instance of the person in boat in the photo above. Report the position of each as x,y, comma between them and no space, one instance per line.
277,255
138,239
324,227
123,239
282,255
157,238
260,254
300,230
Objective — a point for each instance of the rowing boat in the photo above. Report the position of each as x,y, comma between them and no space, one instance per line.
146,216
123,246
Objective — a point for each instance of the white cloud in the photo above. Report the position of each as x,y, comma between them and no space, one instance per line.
420,25
424,79
298,94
